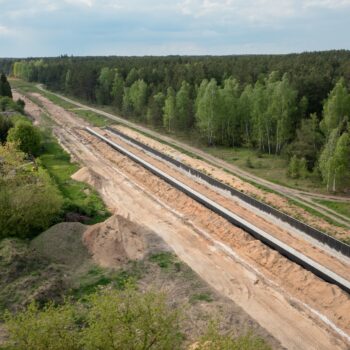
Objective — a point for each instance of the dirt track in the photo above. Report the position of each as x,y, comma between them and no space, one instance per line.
224,256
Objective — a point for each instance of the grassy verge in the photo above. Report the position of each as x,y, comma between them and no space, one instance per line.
93,118
25,87
79,197
342,208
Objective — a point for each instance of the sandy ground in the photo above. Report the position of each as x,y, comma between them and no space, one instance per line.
273,199
266,222
281,296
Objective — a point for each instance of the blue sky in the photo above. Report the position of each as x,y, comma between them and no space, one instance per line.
190,27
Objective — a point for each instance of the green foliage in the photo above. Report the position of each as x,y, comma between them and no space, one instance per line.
341,161
7,104
308,141
260,102
117,90
169,110
155,109
78,196
163,259
93,118
201,297
294,168
336,107
208,106
249,163
104,86
29,202
26,136
326,161
131,320
138,96
184,106
5,125
52,328
5,88
97,277
107,320
213,340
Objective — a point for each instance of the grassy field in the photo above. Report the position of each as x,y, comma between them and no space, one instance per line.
270,167
79,197
93,118
340,207
26,87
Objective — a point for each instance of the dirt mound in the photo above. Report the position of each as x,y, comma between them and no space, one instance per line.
25,276
85,175
63,244
118,240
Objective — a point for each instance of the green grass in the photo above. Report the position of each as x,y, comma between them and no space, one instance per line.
200,297
342,208
98,277
93,118
25,87
269,167
163,259
79,197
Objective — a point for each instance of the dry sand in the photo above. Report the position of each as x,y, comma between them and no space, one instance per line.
273,199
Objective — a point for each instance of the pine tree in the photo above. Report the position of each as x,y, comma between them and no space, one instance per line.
5,88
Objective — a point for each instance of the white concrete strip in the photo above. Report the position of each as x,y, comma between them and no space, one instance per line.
342,282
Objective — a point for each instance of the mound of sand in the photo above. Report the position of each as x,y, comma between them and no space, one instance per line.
63,244
87,175
118,240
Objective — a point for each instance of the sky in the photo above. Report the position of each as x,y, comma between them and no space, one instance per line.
33,28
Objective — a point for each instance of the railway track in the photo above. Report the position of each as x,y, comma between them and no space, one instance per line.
287,251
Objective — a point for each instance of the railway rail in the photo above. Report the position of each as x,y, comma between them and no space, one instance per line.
319,236
287,251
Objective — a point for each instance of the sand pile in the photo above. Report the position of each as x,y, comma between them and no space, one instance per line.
115,242
87,175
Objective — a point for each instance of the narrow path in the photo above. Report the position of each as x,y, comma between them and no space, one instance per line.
301,197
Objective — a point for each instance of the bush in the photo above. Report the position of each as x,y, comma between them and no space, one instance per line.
294,168
26,136
52,328
29,202
108,319
213,340
5,125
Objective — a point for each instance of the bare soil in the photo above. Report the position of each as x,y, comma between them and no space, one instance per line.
273,199
266,222
296,307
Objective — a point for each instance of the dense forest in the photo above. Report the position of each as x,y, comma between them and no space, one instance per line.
296,105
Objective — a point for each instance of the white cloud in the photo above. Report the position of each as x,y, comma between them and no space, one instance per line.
330,4
88,3
5,31
250,10
256,11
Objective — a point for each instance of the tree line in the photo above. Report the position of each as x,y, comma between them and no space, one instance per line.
274,104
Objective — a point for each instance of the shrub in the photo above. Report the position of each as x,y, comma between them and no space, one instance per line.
26,136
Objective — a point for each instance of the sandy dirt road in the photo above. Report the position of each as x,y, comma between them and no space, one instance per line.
217,261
